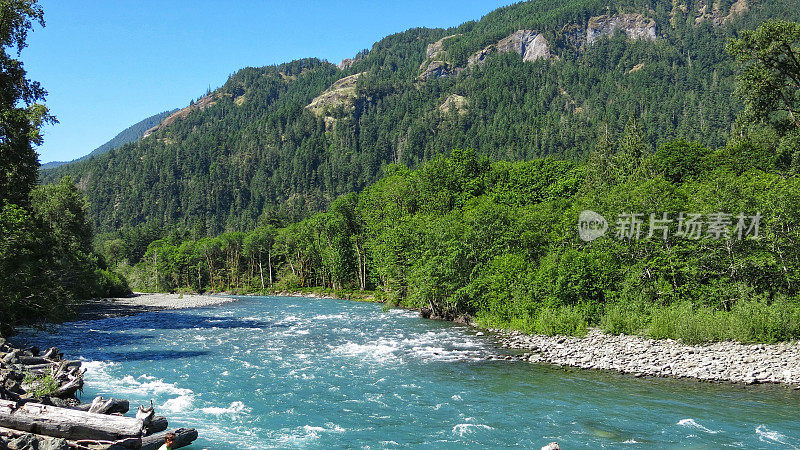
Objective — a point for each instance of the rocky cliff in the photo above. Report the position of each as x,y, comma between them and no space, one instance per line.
635,26
341,94
530,45
435,64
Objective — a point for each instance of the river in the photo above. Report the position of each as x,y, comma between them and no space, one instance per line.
270,372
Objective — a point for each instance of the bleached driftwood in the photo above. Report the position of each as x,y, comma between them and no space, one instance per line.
67,423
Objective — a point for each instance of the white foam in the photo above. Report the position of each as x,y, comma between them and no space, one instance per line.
329,316
382,350
467,428
235,408
178,404
690,423
144,385
766,435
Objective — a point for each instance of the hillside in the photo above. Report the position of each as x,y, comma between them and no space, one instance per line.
130,134
528,80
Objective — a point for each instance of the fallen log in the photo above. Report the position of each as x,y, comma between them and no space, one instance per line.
146,414
123,444
69,388
88,444
33,360
36,367
102,406
183,437
157,425
67,423
52,353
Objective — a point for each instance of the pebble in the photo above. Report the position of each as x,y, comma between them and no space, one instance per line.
719,362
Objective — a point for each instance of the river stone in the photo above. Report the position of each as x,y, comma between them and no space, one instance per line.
53,444
24,442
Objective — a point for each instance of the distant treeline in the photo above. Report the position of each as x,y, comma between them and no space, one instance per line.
256,153
460,236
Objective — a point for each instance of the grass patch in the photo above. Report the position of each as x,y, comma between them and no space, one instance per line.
622,318
748,321
40,385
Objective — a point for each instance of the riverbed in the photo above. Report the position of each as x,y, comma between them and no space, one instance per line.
288,372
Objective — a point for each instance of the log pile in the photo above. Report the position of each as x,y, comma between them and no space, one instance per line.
39,409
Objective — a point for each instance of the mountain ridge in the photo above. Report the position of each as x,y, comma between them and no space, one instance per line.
259,153
129,134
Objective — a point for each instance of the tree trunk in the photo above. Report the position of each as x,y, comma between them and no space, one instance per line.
183,437
261,270
67,423
269,262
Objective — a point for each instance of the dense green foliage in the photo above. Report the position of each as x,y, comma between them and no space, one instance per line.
20,115
46,257
130,134
257,154
770,81
460,236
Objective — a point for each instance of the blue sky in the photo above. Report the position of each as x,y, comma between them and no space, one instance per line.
108,64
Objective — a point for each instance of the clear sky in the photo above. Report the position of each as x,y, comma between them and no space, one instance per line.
109,64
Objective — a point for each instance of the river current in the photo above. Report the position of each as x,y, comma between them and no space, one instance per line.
268,372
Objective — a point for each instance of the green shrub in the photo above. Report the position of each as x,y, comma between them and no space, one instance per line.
289,282
622,318
41,385
758,321
110,284
689,324
561,320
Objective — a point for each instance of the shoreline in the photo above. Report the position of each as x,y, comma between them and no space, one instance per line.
142,302
721,362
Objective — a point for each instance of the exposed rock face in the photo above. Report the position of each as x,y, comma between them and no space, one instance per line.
738,8
438,69
345,64
636,68
435,50
635,26
341,93
201,104
454,102
528,44
435,64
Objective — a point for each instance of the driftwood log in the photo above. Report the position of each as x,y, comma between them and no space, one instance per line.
130,443
102,406
67,423
157,425
183,437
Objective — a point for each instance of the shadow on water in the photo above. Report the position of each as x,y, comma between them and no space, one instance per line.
150,355
127,331
174,320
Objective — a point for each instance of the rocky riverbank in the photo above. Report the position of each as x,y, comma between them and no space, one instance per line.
717,362
40,408
145,302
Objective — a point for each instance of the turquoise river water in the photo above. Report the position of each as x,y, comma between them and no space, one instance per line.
270,372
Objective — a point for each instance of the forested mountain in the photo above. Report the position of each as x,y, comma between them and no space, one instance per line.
130,134
543,78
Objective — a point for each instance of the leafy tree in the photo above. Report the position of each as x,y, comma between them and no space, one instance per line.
680,160
769,83
21,118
